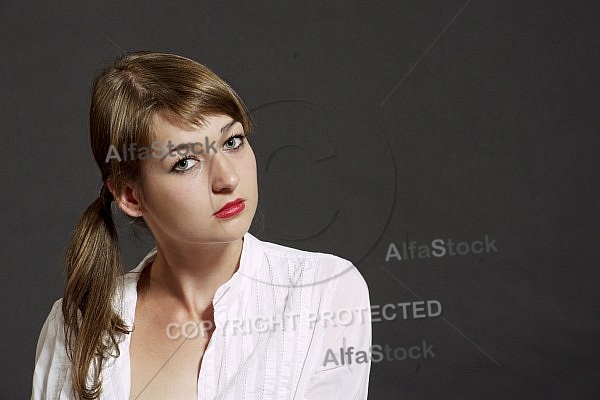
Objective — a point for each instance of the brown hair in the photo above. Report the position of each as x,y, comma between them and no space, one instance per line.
125,96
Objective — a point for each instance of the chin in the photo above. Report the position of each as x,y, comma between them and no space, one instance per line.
230,230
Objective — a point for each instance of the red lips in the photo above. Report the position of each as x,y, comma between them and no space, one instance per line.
230,209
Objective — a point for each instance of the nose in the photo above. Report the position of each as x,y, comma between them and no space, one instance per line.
223,176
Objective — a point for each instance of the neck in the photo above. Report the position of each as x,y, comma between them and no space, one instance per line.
191,274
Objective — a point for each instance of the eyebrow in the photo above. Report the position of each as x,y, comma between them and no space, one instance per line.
179,146
228,126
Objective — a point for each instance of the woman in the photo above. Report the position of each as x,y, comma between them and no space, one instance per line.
212,312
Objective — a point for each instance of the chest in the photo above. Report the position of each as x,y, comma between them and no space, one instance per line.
166,356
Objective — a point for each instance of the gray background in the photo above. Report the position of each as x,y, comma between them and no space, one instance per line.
488,127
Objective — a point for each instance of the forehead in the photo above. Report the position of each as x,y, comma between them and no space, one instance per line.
165,126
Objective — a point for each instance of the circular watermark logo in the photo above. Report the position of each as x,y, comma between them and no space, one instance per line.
325,176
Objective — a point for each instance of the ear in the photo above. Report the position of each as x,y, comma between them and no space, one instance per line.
128,198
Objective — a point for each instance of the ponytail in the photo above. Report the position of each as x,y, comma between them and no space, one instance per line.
91,324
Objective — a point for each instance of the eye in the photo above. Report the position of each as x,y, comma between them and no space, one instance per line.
234,142
184,164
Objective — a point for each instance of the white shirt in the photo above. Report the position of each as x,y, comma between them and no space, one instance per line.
288,325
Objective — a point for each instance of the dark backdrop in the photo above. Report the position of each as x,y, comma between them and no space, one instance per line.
377,123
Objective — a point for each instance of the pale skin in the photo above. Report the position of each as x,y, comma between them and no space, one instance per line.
197,252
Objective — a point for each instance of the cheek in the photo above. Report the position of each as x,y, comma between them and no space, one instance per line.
251,165
250,180
158,191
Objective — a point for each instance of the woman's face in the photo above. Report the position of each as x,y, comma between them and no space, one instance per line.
202,188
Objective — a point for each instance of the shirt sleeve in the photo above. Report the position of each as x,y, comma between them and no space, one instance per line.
340,354
50,357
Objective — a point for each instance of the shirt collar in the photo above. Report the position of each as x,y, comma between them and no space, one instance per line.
248,257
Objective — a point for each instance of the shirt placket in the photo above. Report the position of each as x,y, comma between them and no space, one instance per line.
211,368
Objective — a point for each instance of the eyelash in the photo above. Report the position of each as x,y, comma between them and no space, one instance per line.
241,136
176,171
